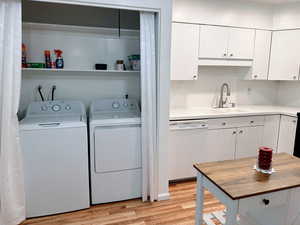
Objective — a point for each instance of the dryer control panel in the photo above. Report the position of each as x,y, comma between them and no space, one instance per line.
115,105
55,108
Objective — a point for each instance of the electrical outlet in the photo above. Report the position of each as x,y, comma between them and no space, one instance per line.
249,90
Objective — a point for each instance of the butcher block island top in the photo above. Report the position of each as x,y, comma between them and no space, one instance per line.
238,179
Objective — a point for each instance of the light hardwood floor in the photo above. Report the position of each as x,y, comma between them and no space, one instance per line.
179,210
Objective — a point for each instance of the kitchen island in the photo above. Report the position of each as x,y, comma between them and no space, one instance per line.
257,199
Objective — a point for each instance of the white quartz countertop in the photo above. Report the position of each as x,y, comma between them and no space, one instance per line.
244,110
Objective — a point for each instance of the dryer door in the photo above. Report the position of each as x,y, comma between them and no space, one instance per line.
117,148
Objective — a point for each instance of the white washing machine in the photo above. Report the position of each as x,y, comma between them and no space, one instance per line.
55,157
115,150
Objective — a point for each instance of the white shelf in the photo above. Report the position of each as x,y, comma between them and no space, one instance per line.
41,71
102,31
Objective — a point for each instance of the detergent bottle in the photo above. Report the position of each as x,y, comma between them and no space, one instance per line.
59,59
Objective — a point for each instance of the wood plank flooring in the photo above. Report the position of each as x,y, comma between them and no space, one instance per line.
179,210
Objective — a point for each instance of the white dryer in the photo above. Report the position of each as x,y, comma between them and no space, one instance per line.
115,150
55,151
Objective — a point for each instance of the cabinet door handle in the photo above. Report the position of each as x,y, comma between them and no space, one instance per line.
294,77
223,123
234,132
255,76
266,201
231,54
195,77
241,132
251,121
294,121
224,54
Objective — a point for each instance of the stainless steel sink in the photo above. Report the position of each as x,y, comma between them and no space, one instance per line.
227,110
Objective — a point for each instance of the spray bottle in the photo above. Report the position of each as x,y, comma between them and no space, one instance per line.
24,61
59,59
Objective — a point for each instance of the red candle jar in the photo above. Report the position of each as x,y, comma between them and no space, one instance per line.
265,158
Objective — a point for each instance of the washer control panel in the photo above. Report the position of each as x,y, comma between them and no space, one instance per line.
55,107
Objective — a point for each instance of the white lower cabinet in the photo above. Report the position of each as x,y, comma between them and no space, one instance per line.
287,132
266,209
226,139
220,145
271,132
249,139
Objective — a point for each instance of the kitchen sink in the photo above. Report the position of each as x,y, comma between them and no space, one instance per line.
227,110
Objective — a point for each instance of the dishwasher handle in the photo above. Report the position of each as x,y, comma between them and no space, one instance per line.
188,125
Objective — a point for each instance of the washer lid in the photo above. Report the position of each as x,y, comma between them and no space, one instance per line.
31,123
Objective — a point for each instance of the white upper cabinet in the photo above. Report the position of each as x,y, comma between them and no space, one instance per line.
213,42
241,43
285,55
184,51
226,43
262,47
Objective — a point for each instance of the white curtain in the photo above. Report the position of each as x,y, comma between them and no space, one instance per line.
148,98
12,203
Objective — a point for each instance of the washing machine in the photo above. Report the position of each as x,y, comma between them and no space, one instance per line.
54,144
115,150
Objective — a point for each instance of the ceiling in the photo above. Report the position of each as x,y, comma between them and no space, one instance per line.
274,1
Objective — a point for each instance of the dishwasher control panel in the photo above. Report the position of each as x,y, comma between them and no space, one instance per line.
188,125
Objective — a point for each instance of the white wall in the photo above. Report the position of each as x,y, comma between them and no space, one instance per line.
286,16
220,12
205,91
289,93
82,87
82,49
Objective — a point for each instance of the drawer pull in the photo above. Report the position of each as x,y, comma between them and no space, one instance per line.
251,121
266,201
223,123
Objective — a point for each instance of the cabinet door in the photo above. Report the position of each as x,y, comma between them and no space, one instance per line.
285,55
249,139
213,42
184,51
262,47
241,43
287,134
185,149
220,145
271,131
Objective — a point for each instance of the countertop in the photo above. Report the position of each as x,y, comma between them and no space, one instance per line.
242,110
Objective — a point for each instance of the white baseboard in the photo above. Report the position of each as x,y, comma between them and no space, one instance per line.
163,196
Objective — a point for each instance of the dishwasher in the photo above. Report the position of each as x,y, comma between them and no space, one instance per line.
186,142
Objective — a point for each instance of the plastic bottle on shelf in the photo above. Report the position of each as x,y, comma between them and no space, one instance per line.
59,62
48,63
24,60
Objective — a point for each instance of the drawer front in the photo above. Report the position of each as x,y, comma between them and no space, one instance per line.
270,200
236,122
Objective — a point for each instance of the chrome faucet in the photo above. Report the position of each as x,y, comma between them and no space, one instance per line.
221,101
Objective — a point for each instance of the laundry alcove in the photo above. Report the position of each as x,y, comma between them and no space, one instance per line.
87,37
